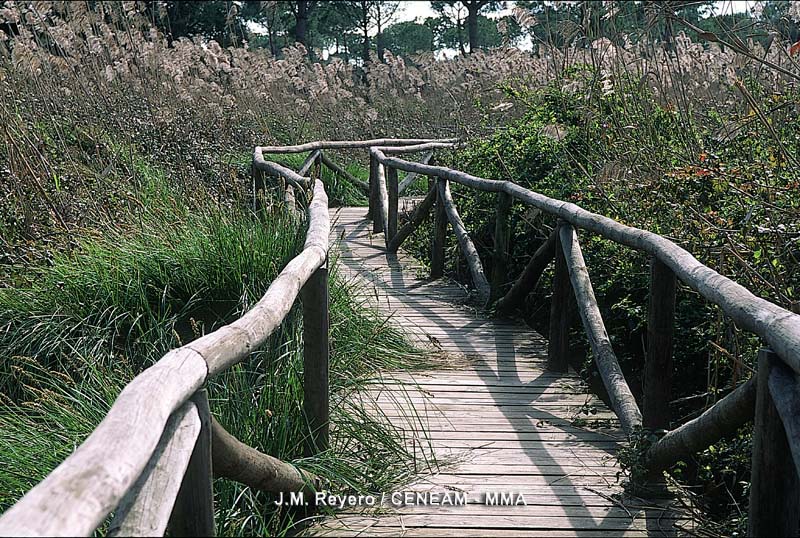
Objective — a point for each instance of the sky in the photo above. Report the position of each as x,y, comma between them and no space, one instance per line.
418,9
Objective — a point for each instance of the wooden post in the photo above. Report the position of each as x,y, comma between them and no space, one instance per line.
316,168
193,513
774,485
374,193
439,234
258,187
316,351
558,341
392,186
658,362
501,241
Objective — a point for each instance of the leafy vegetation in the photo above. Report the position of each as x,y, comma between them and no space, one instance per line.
87,323
124,170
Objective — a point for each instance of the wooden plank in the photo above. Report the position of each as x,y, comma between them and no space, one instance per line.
543,523
492,417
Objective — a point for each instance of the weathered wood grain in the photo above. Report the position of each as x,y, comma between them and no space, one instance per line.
275,169
78,495
439,239
784,387
721,419
392,201
774,484
420,212
560,320
465,242
779,327
308,163
502,239
237,461
193,512
316,354
413,148
412,176
352,144
657,376
622,399
529,277
145,510
495,419
363,185
232,343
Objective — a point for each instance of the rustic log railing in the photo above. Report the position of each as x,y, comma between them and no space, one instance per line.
773,399
152,459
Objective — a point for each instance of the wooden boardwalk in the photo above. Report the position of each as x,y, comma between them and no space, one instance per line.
495,419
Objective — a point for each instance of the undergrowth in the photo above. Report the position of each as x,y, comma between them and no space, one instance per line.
81,327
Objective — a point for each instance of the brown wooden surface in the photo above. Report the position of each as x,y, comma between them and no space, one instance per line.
439,239
493,418
392,194
774,484
502,239
193,512
558,334
616,385
779,327
316,354
657,375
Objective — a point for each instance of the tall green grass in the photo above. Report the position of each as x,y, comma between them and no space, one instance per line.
341,192
83,326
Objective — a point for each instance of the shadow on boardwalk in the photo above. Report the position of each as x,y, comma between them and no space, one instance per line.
506,424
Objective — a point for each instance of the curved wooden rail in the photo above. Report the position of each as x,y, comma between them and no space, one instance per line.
779,327
775,492
353,144
155,444
79,494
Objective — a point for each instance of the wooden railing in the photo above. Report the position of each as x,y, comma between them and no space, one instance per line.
773,398
150,459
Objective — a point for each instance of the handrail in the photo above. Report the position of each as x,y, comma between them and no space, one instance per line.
79,494
778,327
351,144
771,398
108,469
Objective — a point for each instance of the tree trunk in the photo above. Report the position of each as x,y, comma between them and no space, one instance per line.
301,22
461,47
472,26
